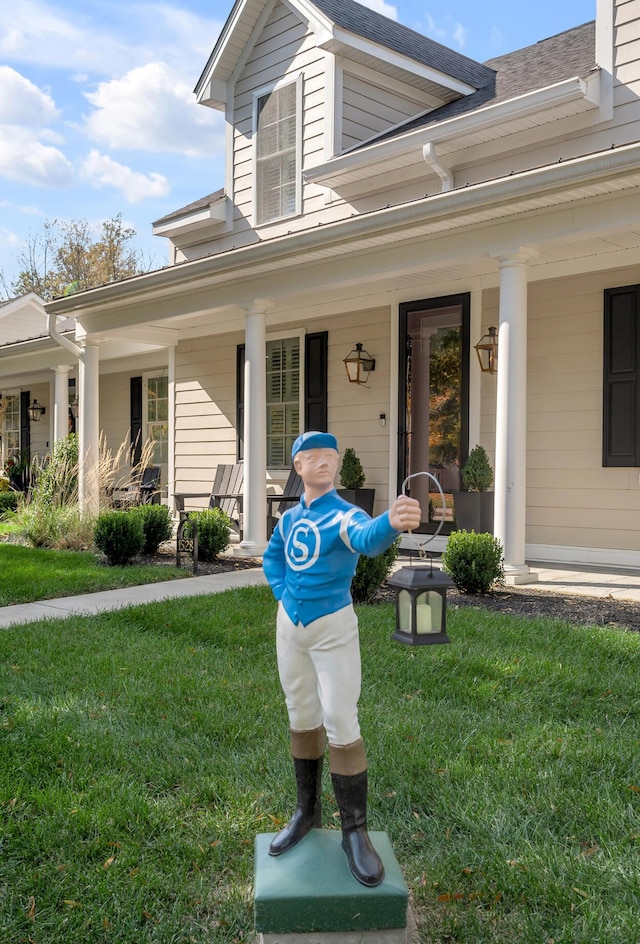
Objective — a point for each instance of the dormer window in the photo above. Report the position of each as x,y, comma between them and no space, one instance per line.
278,142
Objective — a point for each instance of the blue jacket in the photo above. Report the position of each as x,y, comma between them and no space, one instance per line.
313,554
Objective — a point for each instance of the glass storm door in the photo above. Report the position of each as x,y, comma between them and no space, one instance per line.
433,427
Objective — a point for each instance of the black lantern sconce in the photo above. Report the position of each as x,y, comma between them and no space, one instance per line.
359,365
35,412
421,593
487,351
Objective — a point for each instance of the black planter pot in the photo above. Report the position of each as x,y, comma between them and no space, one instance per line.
474,511
362,497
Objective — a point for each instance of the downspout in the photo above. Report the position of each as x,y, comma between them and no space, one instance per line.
430,155
68,345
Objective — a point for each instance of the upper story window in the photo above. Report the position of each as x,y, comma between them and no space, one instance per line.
278,152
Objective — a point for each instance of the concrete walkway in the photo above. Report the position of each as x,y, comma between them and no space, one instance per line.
90,603
585,581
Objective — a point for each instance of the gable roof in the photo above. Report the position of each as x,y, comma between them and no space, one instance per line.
341,25
547,62
390,34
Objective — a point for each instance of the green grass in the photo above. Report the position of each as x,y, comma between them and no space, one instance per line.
141,751
29,574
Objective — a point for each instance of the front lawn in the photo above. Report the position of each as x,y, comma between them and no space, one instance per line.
141,751
28,574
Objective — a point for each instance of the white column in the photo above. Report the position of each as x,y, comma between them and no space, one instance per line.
89,435
171,458
475,374
61,402
511,417
254,540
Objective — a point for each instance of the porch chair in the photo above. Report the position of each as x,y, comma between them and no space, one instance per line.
226,494
291,495
141,490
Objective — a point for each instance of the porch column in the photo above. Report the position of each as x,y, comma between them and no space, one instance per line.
254,540
61,402
89,433
511,416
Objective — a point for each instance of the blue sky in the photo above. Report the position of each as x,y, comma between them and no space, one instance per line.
97,114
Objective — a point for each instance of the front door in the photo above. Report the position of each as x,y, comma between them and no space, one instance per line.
433,425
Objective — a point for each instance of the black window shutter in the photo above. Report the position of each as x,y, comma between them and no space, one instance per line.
621,439
315,392
25,425
240,402
136,419
315,372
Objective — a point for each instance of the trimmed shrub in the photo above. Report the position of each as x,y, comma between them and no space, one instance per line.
371,572
214,532
8,503
157,525
473,561
351,471
477,474
119,535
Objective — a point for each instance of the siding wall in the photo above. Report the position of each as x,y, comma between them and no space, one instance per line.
571,499
369,107
205,409
115,409
206,401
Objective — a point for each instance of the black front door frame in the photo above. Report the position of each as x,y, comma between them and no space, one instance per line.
429,304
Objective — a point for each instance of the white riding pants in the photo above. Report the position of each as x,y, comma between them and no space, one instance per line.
320,673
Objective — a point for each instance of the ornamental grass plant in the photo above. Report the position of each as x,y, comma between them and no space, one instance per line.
143,750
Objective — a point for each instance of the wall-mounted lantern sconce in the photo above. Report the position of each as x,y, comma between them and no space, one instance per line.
74,407
35,412
487,351
359,365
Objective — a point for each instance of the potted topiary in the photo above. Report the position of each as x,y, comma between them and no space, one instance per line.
474,504
352,479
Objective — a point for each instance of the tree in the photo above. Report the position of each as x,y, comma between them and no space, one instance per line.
67,256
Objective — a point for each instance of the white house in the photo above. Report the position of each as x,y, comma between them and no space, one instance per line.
384,190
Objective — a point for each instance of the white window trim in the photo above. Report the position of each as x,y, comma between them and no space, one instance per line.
146,377
300,334
9,392
257,94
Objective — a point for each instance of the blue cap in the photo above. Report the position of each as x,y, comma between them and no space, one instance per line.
313,440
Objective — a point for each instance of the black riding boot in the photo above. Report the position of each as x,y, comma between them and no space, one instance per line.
308,812
364,862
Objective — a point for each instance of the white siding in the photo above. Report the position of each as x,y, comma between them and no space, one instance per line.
571,499
369,107
205,409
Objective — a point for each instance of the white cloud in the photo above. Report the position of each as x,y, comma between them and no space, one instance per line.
27,160
101,171
446,31
152,108
387,9
22,102
38,31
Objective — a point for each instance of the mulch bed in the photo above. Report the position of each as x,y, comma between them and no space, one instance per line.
525,601
512,601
